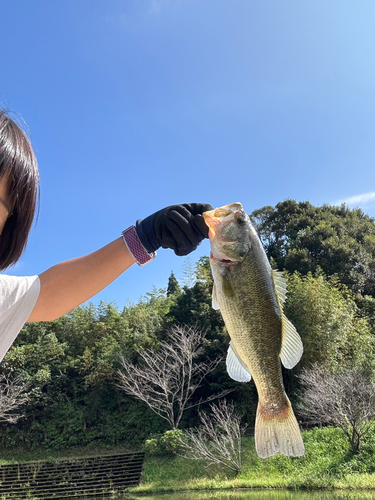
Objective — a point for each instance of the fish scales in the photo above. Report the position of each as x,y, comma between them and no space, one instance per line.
250,311
246,293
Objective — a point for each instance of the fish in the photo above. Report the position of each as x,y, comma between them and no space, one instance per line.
250,296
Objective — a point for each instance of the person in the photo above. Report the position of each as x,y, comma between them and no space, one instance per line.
68,284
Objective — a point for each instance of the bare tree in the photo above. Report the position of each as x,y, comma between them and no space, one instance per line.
166,379
189,271
218,441
12,395
345,400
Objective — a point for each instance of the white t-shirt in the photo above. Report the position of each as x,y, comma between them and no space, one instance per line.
18,295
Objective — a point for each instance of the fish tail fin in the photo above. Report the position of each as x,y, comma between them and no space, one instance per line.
278,432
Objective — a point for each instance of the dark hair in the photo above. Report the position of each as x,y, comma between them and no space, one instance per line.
19,166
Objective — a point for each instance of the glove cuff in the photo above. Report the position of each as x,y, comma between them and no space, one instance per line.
135,247
145,229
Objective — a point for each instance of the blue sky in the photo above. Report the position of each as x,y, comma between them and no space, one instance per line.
133,105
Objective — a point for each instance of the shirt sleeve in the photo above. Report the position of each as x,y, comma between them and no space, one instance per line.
18,295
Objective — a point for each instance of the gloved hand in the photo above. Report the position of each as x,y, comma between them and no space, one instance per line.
179,227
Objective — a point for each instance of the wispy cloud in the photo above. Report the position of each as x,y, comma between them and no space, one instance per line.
358,200
131,15
156,6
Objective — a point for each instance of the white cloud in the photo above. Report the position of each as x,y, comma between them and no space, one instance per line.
358,200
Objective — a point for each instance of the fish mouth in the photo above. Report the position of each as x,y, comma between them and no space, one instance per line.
212,222
226,210
213,218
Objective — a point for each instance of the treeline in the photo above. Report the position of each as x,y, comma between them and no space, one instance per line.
72,363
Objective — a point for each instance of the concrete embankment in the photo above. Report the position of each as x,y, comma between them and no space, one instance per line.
63,479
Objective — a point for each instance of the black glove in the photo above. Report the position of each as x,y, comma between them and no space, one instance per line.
179,227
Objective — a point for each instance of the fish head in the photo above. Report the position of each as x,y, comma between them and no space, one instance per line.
229,232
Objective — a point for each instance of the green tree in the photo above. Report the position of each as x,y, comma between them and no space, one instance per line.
71,365
302,237
326,316
173,286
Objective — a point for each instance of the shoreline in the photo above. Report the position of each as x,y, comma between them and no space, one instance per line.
253,493
143,490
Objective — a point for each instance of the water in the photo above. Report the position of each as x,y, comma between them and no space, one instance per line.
265,495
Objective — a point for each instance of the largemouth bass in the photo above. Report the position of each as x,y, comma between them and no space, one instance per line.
250,296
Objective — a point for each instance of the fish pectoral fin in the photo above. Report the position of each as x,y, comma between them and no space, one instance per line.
215,304
280,286
291,344
235,367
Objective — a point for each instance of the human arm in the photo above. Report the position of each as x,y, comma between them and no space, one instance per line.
68,284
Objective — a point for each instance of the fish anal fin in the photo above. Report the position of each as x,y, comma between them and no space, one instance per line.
278,433
291,344
235,367
215,304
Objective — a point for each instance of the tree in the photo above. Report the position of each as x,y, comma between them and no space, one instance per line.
333,333
203,271
345,400
218,441
193,306
13,394
189,272
166,379
173,286
301,237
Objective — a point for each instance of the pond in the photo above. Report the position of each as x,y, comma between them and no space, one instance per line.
265,495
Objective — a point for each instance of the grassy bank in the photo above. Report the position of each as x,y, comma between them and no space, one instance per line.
328,463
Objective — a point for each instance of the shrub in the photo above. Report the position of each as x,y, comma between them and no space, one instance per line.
168,443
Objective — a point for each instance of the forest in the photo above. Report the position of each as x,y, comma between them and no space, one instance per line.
71,365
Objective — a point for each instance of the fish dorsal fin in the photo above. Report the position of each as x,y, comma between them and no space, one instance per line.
280,286
291,344
215,304
235,367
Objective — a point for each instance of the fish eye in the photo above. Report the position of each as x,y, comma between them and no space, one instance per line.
241,220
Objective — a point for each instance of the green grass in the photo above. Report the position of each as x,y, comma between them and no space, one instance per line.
328,463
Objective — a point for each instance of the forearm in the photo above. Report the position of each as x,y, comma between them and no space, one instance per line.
68,284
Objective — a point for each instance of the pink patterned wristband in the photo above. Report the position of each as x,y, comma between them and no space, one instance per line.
136,248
